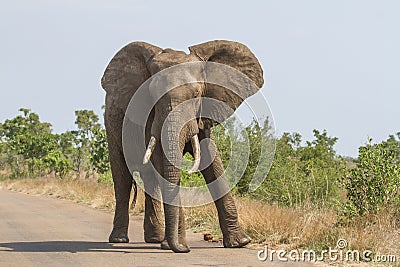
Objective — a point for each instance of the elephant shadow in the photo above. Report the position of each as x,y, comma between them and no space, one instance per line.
85,246
71,246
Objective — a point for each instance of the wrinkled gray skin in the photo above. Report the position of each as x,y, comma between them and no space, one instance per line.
129,69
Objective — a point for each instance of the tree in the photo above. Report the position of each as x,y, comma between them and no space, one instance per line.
87,124
56,162
99,151
27,141
29,148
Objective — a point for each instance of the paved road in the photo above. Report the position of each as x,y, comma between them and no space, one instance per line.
41,231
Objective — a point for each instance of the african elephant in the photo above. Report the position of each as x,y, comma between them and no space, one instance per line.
127,71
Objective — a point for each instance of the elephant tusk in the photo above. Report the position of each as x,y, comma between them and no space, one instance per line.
196,153
149,150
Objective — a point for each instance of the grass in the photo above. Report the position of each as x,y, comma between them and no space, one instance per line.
305,227
88,192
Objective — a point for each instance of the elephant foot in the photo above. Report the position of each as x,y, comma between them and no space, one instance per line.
153,230
118,237
153,239
153,234
183,247
164,245
237,239
180,248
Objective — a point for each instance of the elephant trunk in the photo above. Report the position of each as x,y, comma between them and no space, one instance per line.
172,160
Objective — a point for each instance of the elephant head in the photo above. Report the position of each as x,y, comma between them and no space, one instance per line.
175,115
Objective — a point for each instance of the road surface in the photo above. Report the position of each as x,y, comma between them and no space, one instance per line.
42,231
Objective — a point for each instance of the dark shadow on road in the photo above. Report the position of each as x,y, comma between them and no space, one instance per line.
85,246
73,246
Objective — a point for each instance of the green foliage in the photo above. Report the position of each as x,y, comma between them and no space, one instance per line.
222,138
87,123
259,137
25,143
66,143
99,151
105,178
190,180
374,182
303,173
300,172
56,162
29,148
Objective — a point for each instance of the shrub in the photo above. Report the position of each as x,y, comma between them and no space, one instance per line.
374,182
301,174
105,178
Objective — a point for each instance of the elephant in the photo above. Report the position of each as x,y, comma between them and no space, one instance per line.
127,71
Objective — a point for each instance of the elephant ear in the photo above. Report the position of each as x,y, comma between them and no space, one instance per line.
125,73
127,70
234,55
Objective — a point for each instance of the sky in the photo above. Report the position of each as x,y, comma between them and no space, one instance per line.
331,65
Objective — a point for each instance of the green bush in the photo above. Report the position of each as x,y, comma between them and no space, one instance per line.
56,162
303,173
375,180
105,178
298,173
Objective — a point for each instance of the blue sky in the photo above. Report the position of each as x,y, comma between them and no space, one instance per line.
330,65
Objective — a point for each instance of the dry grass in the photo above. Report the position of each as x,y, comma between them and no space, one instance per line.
88,192
279,227
306,227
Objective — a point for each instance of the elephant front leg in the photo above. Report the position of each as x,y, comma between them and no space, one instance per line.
233,234
154,229
181,231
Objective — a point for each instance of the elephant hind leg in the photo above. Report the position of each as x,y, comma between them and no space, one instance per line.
122,188
153,220
153,225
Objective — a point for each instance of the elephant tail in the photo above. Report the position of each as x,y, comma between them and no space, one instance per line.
135,192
